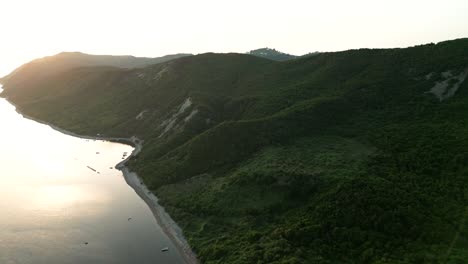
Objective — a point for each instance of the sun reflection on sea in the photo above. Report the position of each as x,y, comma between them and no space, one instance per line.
55,197
59,191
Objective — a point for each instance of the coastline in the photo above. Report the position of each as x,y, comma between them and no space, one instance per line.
167,224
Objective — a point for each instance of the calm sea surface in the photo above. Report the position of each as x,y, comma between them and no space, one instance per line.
54,209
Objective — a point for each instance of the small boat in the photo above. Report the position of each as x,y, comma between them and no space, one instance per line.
165,249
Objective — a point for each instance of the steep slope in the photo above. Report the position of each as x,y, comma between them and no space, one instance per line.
349,157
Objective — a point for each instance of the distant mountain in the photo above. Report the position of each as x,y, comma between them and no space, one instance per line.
271,54
310,54
40,68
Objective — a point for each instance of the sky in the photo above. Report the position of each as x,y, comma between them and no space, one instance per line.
31,29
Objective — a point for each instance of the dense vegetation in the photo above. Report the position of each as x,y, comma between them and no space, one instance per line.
336,158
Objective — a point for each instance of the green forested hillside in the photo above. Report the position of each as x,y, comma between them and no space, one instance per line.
350,157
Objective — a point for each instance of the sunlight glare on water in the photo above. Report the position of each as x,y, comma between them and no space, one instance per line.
57,210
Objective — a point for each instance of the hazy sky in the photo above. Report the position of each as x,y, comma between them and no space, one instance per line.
33,28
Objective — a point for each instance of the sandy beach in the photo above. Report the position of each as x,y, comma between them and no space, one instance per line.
167,224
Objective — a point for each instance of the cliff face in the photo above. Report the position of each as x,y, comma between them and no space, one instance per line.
356,156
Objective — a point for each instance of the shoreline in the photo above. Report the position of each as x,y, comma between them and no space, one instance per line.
167,224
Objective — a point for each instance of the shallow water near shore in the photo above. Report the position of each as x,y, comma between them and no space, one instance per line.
62,202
